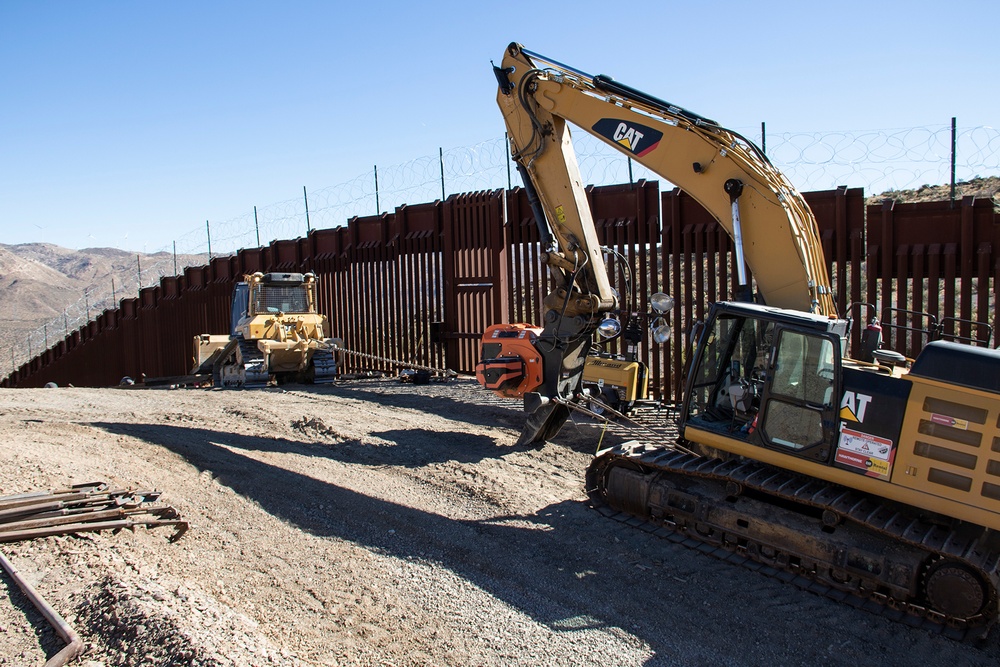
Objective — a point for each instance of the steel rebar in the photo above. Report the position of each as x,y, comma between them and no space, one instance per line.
73,642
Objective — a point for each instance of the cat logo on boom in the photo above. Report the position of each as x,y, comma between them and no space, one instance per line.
633,137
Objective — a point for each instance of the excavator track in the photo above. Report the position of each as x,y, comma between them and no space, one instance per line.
822,537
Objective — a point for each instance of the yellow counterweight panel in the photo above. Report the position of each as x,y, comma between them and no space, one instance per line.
950,444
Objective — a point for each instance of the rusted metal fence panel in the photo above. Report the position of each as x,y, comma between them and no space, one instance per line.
474,284
938,259
149,334
527,280
422,284
174,326
359,312
416,304
326,250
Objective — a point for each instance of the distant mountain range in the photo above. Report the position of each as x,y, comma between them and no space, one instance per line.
45,285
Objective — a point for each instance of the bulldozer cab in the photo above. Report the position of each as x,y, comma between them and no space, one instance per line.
273,293
281,298
264,296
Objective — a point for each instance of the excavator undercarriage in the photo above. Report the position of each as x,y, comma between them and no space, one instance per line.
928,571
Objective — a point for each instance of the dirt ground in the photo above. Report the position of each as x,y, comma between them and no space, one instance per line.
380,523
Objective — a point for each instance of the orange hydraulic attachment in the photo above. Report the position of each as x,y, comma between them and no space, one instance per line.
510,366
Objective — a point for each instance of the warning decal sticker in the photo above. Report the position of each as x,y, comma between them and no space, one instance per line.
945,420
870,453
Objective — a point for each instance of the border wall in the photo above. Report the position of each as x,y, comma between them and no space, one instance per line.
421,284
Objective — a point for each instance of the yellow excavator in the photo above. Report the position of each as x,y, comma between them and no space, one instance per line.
862,474
277,335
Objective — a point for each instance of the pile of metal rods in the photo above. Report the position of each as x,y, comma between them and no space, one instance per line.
83,508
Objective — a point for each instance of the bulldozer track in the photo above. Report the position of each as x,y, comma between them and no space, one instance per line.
324,367
254,373
881,519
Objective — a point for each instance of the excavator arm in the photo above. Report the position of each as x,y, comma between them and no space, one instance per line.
765,215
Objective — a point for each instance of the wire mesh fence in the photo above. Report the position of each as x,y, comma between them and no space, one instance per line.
877,160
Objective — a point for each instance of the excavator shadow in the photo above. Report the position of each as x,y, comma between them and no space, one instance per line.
565,567
411,448
414,448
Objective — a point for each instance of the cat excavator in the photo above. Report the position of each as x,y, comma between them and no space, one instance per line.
865,476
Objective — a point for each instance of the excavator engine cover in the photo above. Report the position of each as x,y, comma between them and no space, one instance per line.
510,365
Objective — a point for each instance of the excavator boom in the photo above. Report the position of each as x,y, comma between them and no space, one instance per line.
767,217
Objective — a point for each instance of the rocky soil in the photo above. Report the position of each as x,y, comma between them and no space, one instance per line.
380,523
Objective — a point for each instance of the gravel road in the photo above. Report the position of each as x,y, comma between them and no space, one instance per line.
380,523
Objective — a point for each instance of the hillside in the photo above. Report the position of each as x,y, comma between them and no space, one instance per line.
44,283
986,188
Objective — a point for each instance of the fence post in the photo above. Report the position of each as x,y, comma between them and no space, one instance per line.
376,191
441,160
763,138
953,151
256,226
506,149
306,198
208,233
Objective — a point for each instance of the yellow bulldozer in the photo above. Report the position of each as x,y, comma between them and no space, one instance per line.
276,335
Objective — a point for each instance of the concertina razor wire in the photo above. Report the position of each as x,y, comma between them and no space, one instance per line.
880,161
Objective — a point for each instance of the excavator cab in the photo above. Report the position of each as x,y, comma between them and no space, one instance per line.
768,377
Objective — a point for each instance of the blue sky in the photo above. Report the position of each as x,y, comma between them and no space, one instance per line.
129,124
